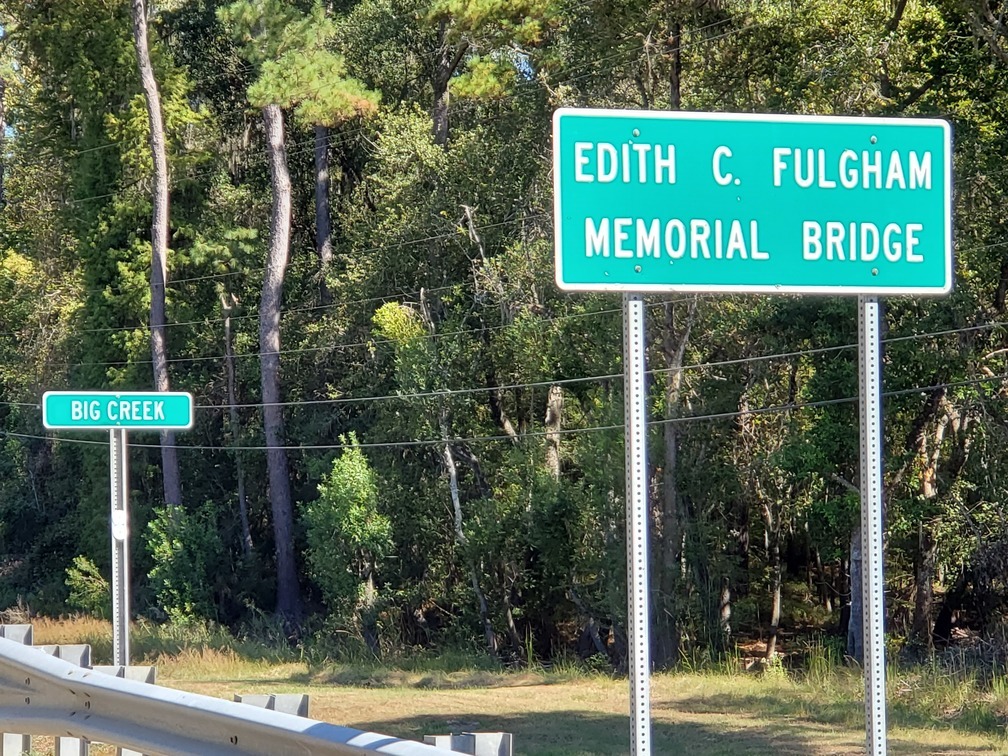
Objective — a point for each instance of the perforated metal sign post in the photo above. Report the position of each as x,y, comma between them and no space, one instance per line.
723,202
872,580
635,408
117,412
119,519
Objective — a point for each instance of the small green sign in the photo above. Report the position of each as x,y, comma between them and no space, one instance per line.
676,201
106,410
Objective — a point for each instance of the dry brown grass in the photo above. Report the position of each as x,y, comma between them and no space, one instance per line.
76,629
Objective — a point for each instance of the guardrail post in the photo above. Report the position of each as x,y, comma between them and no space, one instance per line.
72,747
454,743
139,673
288,703
80,655
17,633
15,744
291,703
475,743
262,700
494,744
142,674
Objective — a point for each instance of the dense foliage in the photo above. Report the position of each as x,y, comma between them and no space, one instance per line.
390,343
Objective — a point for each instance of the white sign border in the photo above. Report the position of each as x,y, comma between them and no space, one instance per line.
117,395
662,115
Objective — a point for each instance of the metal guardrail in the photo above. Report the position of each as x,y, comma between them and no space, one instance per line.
41,695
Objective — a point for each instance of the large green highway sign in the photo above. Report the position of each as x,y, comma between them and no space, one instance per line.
107,410
660,201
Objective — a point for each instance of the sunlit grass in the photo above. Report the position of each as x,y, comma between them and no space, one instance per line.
571,707
76,629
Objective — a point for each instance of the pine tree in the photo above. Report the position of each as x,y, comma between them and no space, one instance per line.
296,72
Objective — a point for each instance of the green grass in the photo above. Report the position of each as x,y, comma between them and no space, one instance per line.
570,708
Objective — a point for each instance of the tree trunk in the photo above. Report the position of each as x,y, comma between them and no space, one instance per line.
591,624
1001,293
3,139
855,625
924,574
288,599
496,400
675,69
509,622
367,614
775,593
234,425
159,245
665,637
553,422
448,61
438,113
822,580
453,488
323,230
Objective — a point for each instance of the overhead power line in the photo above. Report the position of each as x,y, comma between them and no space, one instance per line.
433,442
571,381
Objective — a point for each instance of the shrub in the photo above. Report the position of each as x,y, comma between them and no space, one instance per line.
89,591
187,552
347,536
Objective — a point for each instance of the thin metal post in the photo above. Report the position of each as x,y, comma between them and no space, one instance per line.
872,580
637,522
119,483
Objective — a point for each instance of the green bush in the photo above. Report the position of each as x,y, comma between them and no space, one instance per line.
347,536
187,553
89,590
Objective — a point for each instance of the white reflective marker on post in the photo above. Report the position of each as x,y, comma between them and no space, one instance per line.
872,580
635,403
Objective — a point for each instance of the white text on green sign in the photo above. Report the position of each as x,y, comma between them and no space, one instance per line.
97,410
648,200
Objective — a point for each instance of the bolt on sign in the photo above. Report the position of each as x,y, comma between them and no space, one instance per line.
678,201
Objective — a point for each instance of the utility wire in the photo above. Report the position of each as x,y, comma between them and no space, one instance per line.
598,378
336,347
381,298
413,443
339,347
572,381
345,303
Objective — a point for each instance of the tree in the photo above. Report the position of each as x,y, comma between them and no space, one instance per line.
295,70
159,244
417,368
348,539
